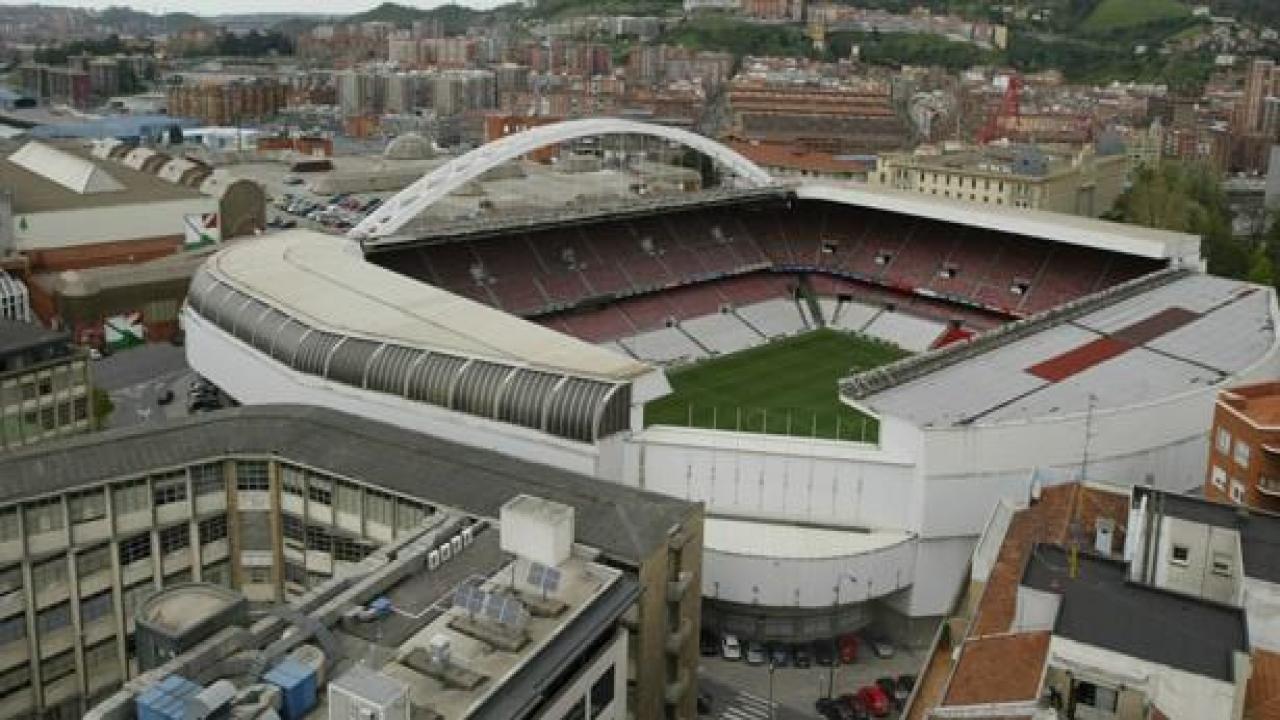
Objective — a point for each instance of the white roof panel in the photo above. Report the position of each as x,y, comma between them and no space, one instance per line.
77,174
322,280
1068,229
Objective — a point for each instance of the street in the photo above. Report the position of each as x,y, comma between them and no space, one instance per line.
135,378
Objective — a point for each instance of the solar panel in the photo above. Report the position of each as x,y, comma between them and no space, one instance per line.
551,580
478,600
511,614
462,596
493,607
537,571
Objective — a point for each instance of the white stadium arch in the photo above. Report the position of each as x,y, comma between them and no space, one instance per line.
410,202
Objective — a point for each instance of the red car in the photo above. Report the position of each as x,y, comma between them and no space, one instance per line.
875,701
848,648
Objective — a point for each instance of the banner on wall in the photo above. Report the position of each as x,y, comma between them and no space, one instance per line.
202,229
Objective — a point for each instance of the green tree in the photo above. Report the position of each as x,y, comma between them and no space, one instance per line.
1261,270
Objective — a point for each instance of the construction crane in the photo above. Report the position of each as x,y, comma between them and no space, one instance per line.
1009,110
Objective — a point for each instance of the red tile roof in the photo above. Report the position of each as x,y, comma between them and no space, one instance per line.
998,669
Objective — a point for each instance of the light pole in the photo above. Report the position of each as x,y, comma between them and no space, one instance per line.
835,647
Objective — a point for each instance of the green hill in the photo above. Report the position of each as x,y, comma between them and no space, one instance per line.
1112,15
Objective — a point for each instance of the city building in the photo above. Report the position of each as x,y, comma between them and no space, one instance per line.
325,513
218,99
44,385
1245,438
793,161
1081,183
1091,601
1261,82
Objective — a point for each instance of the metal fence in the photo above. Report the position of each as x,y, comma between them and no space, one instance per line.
847,425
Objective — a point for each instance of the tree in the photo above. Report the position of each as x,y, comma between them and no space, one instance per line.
1261,270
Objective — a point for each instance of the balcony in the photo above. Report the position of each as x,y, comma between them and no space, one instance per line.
1269,486
676,589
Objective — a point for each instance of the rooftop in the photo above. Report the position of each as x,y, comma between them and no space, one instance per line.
16,337
1193,332
48,191
1067,229
1259,530
322,281
1258,402
1100,607
624,523
176,609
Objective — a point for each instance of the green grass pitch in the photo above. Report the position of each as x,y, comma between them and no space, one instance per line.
787,387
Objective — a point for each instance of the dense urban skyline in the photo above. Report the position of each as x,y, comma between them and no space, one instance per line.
210,8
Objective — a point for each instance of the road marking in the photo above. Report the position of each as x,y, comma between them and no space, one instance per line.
747,706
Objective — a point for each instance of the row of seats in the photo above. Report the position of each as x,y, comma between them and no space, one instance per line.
935,267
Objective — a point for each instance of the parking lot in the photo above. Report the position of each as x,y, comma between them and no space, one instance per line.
742,692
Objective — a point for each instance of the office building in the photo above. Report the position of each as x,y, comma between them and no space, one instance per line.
44,385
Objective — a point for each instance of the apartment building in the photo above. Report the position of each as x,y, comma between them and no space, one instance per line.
1081,183
1096,602
1244,453
297,505
44,385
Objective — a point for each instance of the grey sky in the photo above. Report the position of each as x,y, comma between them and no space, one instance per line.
221,7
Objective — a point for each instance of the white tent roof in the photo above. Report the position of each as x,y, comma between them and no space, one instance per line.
76,174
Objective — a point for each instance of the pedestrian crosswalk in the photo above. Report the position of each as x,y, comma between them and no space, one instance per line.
745,706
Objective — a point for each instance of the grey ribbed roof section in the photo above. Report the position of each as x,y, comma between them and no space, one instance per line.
560,404
625,523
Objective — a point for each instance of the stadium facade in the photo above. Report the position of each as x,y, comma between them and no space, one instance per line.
1050,347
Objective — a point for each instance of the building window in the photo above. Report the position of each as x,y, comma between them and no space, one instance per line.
292,481
1218,477
349,550
294,574
318,539
215,528
1237,491
96,607
13,629
379,508
55,618
8,524
1096,696
1179,555
131,497
251,475
81,408
1221,564
320,490
1223,441
57,667
93,560
175,538
602,693
135,548
259,575
348,498
49,574
11,579
170,490
293,528
87,506
1242,454
44,516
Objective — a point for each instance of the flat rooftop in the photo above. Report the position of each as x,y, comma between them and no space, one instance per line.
1259,530
324,281
1194,332
622,522
16,337
1259,402
1100,607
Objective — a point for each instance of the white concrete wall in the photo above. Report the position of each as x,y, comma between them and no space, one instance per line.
807,582
1036,610
68,228
1183,695
1196,577
778,478
256,379
615,654
1262,607
942,566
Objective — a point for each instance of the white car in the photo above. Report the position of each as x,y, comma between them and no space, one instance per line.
730,648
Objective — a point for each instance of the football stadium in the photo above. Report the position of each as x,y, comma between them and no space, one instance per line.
847,379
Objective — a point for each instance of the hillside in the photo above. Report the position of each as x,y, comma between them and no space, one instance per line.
1112,15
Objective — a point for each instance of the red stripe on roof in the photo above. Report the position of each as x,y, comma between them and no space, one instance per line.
1075,361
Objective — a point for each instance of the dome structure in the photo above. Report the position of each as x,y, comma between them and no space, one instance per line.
410,146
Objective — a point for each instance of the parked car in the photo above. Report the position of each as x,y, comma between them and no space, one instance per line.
730,648
801,656
847,646
755,653
165,397
292,180
779,655
706,705
708,646
888,686
883,649
824,652
856,706
875,700
831,709
903,687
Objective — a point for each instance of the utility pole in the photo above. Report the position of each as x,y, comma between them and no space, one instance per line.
1088,436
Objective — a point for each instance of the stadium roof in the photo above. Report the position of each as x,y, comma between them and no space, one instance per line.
320,279
624,522
1193,332
1069,229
